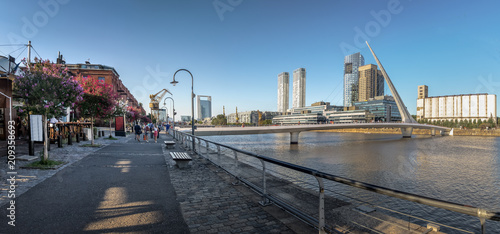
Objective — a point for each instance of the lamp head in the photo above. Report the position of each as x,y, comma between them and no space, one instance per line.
174,82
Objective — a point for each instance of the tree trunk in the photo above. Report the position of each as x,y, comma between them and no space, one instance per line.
110,119
46,139
92,130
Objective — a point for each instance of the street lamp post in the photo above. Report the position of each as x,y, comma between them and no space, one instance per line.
192,99
173,110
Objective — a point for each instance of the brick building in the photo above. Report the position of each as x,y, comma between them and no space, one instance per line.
104,74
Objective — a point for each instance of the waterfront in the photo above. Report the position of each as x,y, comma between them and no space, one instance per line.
457,169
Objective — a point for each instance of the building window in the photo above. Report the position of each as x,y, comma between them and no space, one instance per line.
101,79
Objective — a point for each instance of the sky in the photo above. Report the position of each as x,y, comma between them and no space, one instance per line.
235,49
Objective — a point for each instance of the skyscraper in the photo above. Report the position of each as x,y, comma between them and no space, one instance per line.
204,107
283,92
351,64
370,83
299,88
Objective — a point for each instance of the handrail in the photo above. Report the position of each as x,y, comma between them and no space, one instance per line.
456,207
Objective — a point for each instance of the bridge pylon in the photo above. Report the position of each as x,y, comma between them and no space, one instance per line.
405,115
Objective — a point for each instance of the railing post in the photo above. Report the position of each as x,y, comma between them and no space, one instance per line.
206,143
237,167
321,224
482,218
199,146
265,200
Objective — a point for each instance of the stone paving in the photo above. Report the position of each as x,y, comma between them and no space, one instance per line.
212,204
27,178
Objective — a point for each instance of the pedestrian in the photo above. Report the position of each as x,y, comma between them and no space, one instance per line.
146,129
155,130
151,126
138,132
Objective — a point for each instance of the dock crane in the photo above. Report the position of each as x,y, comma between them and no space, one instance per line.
155,102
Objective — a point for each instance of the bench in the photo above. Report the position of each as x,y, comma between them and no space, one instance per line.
170,144
181,159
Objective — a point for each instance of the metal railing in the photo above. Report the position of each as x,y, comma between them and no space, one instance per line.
186,139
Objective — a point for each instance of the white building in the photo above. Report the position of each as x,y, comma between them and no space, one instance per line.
460,107
299,88
283,92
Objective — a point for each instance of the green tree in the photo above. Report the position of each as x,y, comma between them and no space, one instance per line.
48,90
220,120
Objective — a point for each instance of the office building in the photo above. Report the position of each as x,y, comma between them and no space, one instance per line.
351,116
162,115
456,107
351,76
251,117
383,108
308,118
299,88
370,83
283,92
204,107
186,118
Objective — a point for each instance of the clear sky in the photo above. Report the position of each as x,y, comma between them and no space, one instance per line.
236,48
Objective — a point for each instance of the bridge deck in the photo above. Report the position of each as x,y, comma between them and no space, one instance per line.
301,128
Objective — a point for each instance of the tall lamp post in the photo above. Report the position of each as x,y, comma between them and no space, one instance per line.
173,110
174,82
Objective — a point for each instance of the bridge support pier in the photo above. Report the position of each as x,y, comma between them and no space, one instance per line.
294,138
443,133
433,132
406,132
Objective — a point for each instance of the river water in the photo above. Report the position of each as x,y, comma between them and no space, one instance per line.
458,169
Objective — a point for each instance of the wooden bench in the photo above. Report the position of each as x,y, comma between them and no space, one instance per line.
170,144
181,159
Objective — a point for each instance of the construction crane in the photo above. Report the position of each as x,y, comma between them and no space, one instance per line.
155,102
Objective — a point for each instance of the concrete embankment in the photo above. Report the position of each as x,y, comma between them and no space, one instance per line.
456,132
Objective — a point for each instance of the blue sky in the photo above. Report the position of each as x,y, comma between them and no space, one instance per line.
236,48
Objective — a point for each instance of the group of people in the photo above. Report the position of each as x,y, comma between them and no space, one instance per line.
148,130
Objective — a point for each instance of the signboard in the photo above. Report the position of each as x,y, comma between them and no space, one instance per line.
119,123
36,128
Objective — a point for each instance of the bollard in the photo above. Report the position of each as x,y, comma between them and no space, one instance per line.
59,142
31,148
70,139
77,138
98,133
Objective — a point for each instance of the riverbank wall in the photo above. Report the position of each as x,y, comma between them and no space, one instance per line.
456,132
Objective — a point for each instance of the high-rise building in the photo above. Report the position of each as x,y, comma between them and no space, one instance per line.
299,88
370,83
204,107
351,64
283,92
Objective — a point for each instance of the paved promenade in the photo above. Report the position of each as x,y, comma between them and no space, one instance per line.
131,186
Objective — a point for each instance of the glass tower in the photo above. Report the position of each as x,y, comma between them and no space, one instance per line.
351,76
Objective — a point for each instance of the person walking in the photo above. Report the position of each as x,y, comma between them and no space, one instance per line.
155,132
146,129
138,132
151,126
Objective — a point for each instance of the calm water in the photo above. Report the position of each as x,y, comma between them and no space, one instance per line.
464,170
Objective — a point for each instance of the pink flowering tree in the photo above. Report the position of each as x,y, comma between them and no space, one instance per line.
99,100
46,89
